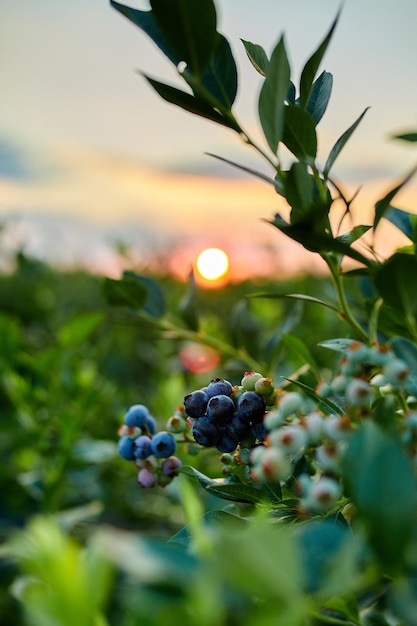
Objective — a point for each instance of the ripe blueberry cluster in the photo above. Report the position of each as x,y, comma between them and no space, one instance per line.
222,415
151,451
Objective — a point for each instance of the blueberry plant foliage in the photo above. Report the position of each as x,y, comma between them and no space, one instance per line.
319,473
331,463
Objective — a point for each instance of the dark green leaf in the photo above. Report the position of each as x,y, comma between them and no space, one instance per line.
299,189
340,144
80,328
395,281
299,134
125,292
189,103
220,77
320,96
317,242
146,21
403,220
291,93
325,404
296,296
383,205
237,493
411,136
310,69
188,304
155,300
354,234
273,95
381,483
257,56
190,29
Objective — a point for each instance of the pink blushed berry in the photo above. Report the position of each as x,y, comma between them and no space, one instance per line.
147,479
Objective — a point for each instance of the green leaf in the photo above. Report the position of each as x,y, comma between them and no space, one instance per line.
381,483
155,300
320,96
339,345
273,95
296,296
146,21
324,403
395,280
188,304
190,103
411,136
125,292
299,134
299,187
383,205
190,29
237,492
220,77
340,144
216,520
403,220
310,69
257,56
354,234
318,242
80,328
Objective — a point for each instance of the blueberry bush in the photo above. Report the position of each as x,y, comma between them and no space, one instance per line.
295,462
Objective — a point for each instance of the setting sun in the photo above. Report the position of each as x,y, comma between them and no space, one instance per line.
212,263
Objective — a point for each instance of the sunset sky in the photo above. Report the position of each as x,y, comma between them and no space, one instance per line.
90,156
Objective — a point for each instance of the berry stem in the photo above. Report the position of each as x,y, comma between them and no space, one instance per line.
334,267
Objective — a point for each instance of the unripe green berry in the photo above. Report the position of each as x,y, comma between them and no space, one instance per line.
290,402
249,379
264,386
176,424
396,372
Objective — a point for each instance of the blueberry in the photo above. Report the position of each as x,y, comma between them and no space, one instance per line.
142,447
218,387
195,404
150,424
171,466
205,432
163,445
259,431
228,440
136,415
220,409
146,479
126,448
251,407
240,428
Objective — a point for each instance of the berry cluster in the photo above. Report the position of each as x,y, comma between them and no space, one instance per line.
151,451
298,428
223,416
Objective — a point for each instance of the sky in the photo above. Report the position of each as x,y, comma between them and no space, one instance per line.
91,158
